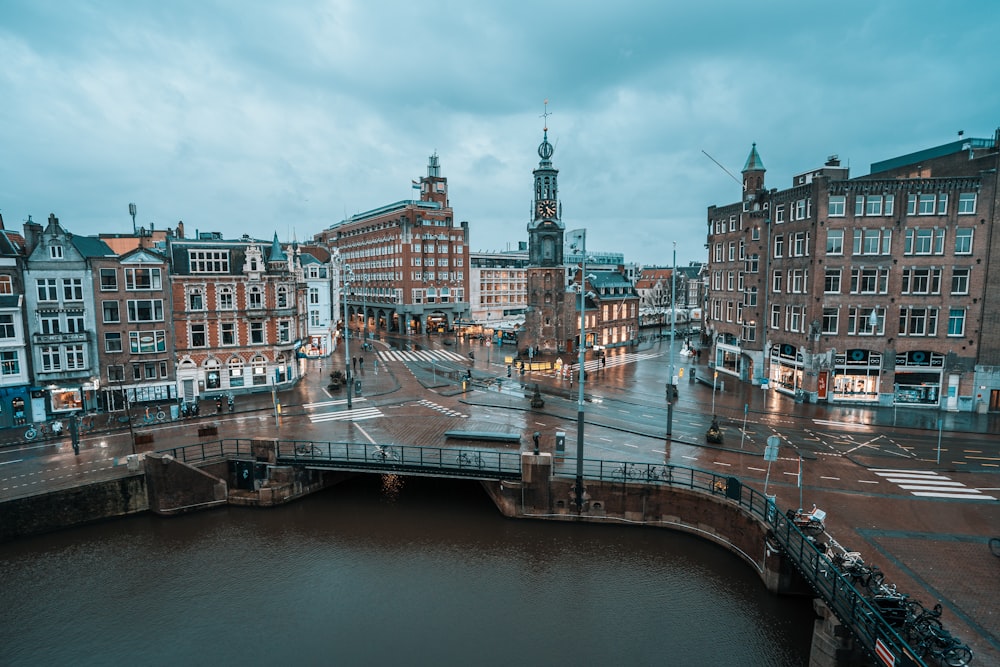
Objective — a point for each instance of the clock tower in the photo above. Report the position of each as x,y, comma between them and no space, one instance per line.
550,315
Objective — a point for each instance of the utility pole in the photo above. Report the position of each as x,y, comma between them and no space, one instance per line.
671,384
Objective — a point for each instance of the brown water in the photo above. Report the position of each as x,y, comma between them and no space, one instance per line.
379,572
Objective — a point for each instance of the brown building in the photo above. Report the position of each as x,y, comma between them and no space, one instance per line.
239,315
135,341
407,262
870,290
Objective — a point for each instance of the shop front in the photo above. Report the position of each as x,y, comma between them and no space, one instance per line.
918,378
786,364
857,376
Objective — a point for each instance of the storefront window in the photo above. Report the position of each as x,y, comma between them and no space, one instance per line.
65,400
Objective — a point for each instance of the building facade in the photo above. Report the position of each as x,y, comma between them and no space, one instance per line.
15,378
498,288
868,290
550,318
406,262
239,315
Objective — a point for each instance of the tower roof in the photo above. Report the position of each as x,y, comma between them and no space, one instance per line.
277,254
754,162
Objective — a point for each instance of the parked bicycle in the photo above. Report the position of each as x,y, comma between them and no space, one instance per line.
384,453
464,460
45,429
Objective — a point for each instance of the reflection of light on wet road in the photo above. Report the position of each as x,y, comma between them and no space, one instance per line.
826,422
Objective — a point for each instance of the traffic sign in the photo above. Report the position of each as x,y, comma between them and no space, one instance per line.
771,450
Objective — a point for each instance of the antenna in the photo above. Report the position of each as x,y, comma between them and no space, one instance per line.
131,211
723,168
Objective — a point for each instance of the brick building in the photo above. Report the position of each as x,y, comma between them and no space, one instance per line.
407,262
870,290
239,314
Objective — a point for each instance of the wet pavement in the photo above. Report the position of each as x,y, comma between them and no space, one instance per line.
933,548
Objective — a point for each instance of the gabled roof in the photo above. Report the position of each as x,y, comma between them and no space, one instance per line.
90,246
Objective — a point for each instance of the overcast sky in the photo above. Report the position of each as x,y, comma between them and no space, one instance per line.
263,117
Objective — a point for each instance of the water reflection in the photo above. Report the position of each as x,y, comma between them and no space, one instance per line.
380,571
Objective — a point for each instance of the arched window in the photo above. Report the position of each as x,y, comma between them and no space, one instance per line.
226,301
254,299
235,372
282,296
213,378
259,364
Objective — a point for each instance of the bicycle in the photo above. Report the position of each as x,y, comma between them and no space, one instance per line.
308,450
464,460
383,454
45,429
153,417
995,546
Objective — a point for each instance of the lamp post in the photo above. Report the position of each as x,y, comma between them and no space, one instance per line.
582,241
345,272
671,385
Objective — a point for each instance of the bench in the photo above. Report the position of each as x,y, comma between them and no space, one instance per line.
492,436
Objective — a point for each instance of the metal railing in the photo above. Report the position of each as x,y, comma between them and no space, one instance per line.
848,603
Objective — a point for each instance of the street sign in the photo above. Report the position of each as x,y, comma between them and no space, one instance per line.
884,654
771,450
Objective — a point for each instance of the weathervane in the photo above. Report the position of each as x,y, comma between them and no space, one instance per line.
545,115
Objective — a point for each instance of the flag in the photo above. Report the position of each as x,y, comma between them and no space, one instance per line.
416,185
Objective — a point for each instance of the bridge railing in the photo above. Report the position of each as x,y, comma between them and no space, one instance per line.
848,603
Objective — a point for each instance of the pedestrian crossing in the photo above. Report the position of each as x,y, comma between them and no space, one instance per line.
420,355
355,414
440,408
929,484
615,360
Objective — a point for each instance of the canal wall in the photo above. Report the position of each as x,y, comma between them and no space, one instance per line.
65,508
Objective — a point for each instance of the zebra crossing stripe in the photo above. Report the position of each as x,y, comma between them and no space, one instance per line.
356,415
337,401
929,484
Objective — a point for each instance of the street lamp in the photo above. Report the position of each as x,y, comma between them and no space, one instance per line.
345,272
672,386
580,243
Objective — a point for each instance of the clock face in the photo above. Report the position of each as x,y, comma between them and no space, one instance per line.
547,209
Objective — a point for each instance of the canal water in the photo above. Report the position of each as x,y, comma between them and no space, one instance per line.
386,571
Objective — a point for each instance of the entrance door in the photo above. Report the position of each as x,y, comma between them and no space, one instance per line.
951,402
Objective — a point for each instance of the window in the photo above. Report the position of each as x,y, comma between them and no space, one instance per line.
227,333
51,359
963,241
779,214
74,358
729,281
831,281
755,234
109,279
797,279
6,285
870,280
47,290
925,205
256,333
924,241
718,252
835,208
800,245
74,324
859,322
198,337
55,252
284,331
835,242
775,316
921,281
259,366
147,342
956,322
776,282
235,372
831,320
112,341
111,314
116,374
752,265
960,281
967,203
226,298
145,310
313,296
872,241
750,297
10,364
50,324
917,321
208,261
7,326
72,289
732,252
793,318
196,300
142,279
314,320
779,245
254,299
282,297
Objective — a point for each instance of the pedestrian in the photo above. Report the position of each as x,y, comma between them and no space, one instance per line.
604,361
354,363
361,364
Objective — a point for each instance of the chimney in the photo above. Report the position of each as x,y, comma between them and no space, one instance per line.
32,232
180,229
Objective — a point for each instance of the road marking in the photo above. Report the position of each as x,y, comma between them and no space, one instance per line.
685,456
361,413
339,401
720,463
832,478
826,422
867,481
757,469
929,484
14,461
